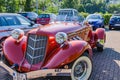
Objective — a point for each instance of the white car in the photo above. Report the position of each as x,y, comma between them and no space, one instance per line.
68,15
11,21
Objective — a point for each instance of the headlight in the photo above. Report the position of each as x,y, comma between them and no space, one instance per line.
17,34
61,37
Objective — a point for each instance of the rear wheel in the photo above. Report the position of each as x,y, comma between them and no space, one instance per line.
99,49
81,69
103,26
100,44
110,28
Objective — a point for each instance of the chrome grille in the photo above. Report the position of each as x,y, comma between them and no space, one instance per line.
36,48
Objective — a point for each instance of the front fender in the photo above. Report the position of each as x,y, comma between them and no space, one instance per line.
13,51
100,32
61,56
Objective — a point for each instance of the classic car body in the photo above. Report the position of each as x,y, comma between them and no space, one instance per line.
40,54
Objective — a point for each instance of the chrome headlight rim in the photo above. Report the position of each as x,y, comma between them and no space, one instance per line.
17,34
61,37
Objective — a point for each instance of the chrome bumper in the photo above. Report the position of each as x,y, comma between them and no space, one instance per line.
36,74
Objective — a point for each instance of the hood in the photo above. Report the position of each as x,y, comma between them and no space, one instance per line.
57,27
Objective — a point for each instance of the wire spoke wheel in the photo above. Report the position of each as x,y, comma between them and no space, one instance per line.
81,69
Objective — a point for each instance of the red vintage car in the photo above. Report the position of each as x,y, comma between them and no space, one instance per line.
57,49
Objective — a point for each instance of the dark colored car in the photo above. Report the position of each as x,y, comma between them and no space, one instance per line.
114,21
96,20
11,21
30,15
46,18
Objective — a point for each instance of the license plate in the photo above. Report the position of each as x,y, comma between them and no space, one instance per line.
117,24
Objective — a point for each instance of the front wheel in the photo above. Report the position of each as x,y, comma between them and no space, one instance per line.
81,69
110,28
100,49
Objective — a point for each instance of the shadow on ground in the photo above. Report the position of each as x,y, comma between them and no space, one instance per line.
106,65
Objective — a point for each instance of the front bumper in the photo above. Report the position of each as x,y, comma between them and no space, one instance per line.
114,25
35,74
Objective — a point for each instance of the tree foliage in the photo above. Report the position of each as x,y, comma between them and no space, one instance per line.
89,6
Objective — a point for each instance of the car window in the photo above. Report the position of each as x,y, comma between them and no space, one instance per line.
23,20
11,20
2,22
23,14
66,12
32,14
93,17
75,13
44,16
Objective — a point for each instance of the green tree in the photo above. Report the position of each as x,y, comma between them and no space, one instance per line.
113,8
10,6
2,6
81,8
68,4
28,5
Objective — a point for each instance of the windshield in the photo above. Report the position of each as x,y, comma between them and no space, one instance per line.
23,20
93,17
66,12
23,14
32,14
44,16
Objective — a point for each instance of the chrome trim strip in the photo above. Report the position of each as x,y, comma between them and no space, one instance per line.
36,39
35,57
35,48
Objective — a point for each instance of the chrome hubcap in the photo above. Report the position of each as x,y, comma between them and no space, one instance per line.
80,69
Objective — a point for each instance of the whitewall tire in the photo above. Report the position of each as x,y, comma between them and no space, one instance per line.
81,69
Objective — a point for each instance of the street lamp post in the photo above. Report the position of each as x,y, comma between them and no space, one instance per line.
37,6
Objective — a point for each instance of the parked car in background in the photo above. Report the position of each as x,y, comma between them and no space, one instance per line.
46,18
95,20
114,22
11,21
30,15
68,15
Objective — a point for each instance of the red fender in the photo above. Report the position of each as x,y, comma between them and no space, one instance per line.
63,56
100,32
14,51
